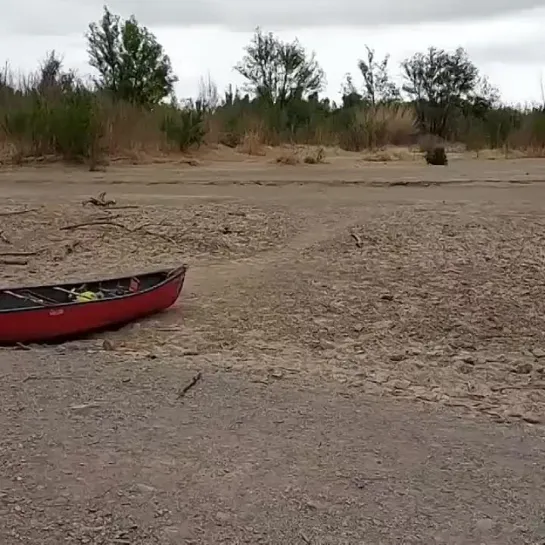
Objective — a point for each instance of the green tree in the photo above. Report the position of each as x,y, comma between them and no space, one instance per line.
278,71
131,64
444,86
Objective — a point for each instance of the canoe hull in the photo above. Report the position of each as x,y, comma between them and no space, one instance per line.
63,321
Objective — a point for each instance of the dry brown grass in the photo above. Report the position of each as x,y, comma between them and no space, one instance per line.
130,130
386,125
288,157
534,152
389,154
315,157
375,128
301,154
252,144
381,134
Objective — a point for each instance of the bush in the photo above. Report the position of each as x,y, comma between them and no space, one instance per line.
65,124
184,128
436,156
75,124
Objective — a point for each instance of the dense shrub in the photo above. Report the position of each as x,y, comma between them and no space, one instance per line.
79,124
66,124
184,127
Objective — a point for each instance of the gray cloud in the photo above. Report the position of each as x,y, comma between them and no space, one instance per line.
528,51
61,17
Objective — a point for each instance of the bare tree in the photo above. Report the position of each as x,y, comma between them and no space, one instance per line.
378,86
208,96
53,77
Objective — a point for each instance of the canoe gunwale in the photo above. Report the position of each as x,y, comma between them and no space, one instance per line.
170,274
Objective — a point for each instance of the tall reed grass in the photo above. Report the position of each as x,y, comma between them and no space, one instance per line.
74,123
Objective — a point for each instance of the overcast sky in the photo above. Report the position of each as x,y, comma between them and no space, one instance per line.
504,38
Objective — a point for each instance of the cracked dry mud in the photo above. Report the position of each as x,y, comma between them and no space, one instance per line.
323,319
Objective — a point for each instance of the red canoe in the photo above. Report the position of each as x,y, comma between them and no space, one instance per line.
46,313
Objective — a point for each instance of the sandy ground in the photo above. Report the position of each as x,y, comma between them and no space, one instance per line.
371,342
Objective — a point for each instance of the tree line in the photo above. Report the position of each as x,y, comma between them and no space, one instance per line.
443,95
441,85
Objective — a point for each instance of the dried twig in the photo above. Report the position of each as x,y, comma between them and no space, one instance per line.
71,247
17,212
109,217
110,204
13,261
19,254
189,385
4,238
99,201
120,225
94,222
52,377
358,240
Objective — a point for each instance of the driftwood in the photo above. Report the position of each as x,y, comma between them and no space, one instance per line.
99,201
18,254
13,261
141,227
189,385
358,240
17,212
73,226
50,377
103,202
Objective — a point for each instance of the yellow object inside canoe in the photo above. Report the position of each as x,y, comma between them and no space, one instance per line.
86,297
